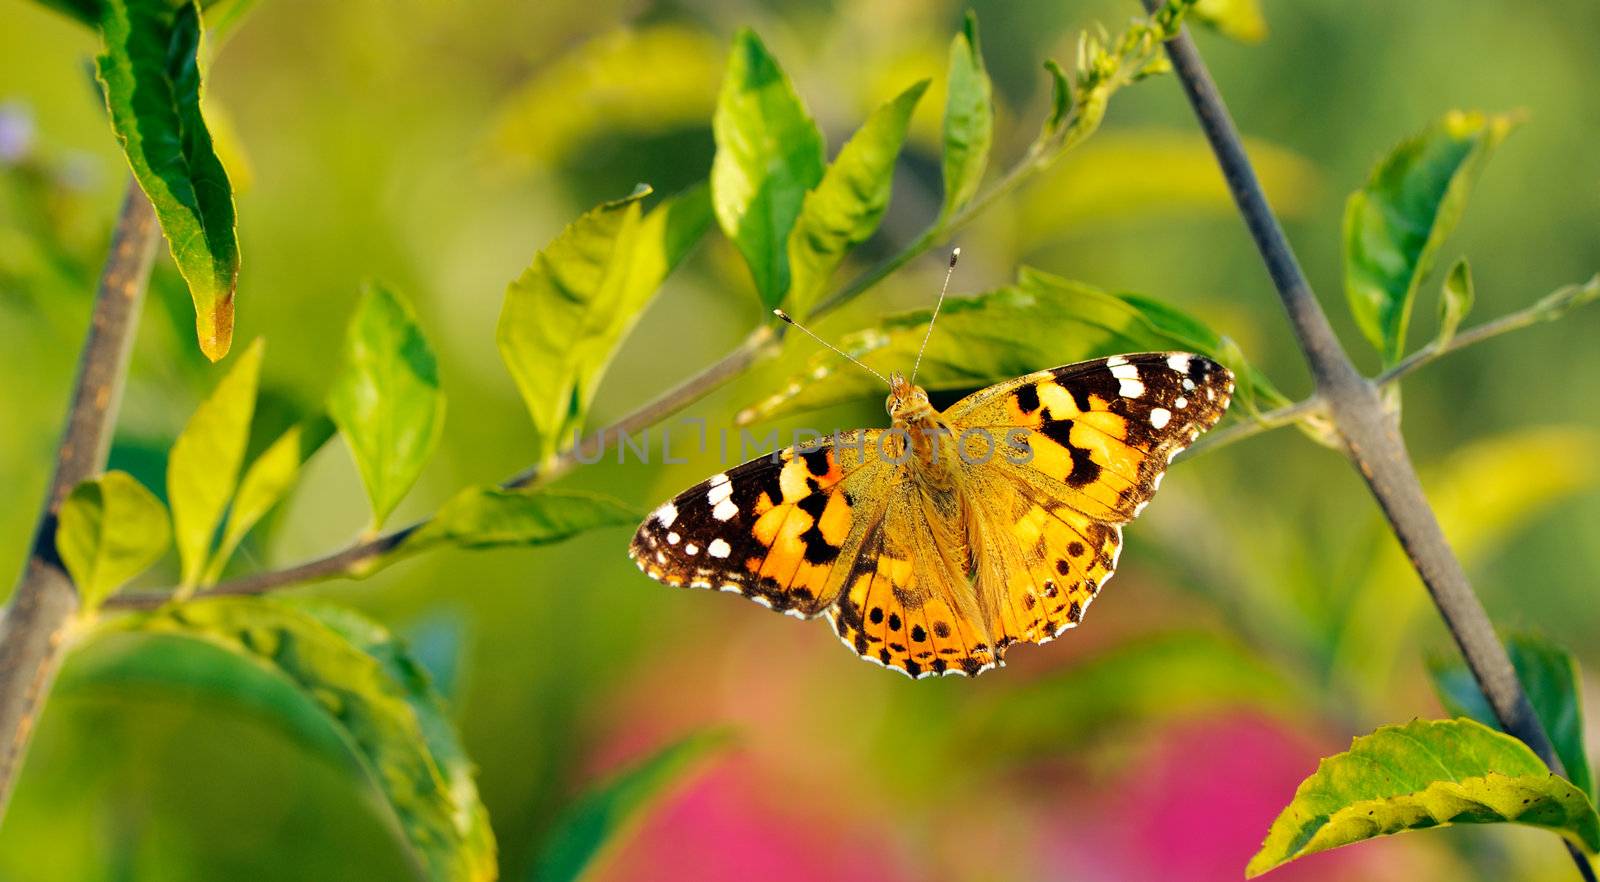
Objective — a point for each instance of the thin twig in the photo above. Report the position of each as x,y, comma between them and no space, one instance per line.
33,630
1289,414
1357,413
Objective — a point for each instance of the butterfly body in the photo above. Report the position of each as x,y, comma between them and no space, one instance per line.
935,545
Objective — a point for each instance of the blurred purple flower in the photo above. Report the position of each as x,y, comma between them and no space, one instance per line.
16,132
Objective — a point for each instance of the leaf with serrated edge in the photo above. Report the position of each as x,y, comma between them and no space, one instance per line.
203,468
108,531
1420,775
1550,676
386,723
845,209
595,823
565,316
1041,321
1394,225
968,119
150,73
489,517
386,399
769,153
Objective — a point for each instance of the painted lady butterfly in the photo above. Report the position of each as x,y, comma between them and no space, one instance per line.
935,545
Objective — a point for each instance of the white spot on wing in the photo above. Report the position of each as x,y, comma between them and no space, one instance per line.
1159,417
724,510
718,548
1116,361
1181,403
666,514
1131,389
691,549
1179,363
673,538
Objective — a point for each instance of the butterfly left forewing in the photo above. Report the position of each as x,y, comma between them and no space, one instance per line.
1092,441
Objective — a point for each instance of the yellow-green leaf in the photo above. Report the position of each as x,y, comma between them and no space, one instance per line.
489,517
1455,300
1394,225
565,316
203,468
150,71
845,209
1421,775
769,153
1239,19
1040,321
603,816
378,700
968,119
268,479
110,529
386,400
1550,677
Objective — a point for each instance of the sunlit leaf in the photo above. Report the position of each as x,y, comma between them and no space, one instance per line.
109,530
150,72
1143,683
1455,300
386,399
603,816
472,855
1481,504
769,153
1421,775
1550,676
489,517
565,316
377,699
203,468
268,479
1394,225
596,91
1040,321
1239,19
845,209
968,119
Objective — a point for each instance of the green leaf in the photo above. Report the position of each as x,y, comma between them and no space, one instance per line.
769,153
489,517
378,699
150,71
1060,102
268,479
1040,321
1550,676
203,468
1455,300
968,120
1420,775
386,400
473,856
846,208
1393,226
603,816
565,316
109,530
1237,19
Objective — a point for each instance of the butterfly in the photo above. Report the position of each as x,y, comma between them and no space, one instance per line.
935,545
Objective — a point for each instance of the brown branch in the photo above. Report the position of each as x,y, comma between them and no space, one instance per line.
33,630
1370,434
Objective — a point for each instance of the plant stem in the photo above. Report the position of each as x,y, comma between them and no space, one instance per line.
34,627
1370,434
1288,414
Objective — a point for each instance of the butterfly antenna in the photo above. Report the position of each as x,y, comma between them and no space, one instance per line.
845,355
954,255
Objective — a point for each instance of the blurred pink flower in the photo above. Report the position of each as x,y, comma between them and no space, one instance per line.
1196,805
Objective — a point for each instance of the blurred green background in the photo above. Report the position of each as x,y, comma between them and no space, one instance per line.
1262,614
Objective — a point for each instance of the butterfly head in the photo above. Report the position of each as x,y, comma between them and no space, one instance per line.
907,403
